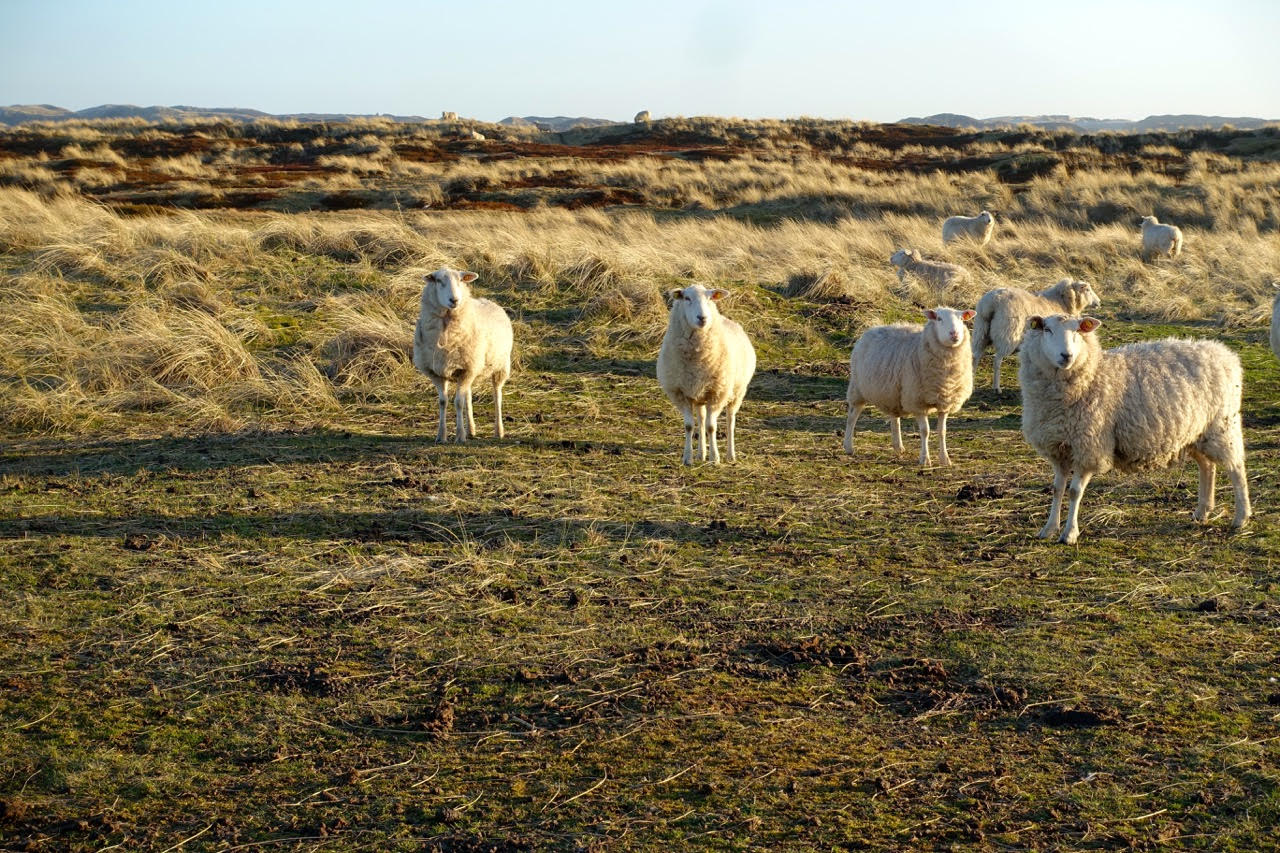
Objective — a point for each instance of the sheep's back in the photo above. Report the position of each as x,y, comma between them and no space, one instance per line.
878,363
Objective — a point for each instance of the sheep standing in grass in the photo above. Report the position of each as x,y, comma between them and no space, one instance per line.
461,340
979,227
1003,313
1140,406
936,273
704,366
905,369
1159,239
1275,326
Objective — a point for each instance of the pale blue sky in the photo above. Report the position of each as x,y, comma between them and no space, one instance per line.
868,60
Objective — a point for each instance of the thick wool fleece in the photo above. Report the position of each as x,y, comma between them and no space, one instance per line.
1003,313
902,371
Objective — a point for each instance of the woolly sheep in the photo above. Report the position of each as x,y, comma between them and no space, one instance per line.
1275,326
979,227
476,136
642,117
704,366
906,369
1139,406
1003,313
461,339
937,273
1158,239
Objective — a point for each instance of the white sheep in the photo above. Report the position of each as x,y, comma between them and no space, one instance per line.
476,136
1139,406
937,273
1275,326
1003,313
906,369
979,227
704,366
1159,239
461,339
642,117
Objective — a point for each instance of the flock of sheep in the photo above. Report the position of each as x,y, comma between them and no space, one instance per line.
1084,409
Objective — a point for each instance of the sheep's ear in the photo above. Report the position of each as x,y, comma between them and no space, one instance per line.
719,293
1088,324
468,276
968,315
1036,323
930,314
675,293
429,278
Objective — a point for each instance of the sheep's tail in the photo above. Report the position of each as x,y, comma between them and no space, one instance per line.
982,327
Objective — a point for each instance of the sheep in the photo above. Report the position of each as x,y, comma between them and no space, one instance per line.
979,227
704,366
642,117
461,339
1275,326
906,369
1158,239
1003,313
937,273
475,136
1139,406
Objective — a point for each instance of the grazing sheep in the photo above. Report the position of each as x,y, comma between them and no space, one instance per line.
1003,314
979,227
937,273
905,369
705,364
1140,406
1275,326
461,339
1158,239
642,117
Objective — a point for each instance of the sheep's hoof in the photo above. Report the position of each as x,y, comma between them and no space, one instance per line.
1047,532
945,462
1069,537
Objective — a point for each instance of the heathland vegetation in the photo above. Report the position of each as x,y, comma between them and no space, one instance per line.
247,600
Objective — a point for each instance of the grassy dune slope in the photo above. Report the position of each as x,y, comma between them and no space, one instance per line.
247,602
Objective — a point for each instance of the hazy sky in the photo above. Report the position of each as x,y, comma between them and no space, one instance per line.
869,60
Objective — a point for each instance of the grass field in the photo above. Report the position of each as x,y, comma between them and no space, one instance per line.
248,603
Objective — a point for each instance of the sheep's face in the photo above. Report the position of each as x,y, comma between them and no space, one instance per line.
448,288
986,217
1086,296
1149,220
1059,340
900,257
697,304
947,325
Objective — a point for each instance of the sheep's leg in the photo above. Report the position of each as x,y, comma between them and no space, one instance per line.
895,435
712,427
1204,501
687,411
498,430
1079,483
731,451
922,423
850,422
460,412
996,383
1051,526
471,418
943,458
1240,483
442,393
700,417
